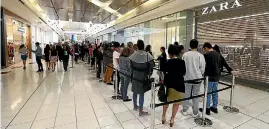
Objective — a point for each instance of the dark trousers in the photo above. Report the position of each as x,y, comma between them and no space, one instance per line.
98,71
76,58
39,63
65,64
82,56
117,75
93,61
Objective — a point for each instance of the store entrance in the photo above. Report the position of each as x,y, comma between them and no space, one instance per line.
17,33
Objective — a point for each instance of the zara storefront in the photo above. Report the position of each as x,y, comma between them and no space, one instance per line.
241,28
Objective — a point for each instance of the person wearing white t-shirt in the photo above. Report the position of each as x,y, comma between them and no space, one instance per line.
195,68
116,56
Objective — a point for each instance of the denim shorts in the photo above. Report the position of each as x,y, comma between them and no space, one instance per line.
24,57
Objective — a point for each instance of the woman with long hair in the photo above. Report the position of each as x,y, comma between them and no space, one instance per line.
47,55
223,61
24,54
53,57
174,70
148,49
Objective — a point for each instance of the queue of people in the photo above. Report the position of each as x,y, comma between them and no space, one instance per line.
134,65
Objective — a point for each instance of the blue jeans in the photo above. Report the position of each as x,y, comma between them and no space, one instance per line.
141,100
212,86
124,86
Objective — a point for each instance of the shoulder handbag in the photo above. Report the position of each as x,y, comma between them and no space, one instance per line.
162,93
147,81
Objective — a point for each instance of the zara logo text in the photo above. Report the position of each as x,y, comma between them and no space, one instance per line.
222,6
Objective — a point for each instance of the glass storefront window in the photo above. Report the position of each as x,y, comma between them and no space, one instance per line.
158,32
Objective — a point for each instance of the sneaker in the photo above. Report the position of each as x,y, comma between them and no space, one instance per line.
184,113
215,110
110,83
127,100
143,113
196,115
135,108
207,112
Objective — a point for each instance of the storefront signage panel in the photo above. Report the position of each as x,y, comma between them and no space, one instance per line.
221,7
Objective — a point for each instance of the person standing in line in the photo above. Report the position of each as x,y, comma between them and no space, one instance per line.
76,51
212,70
175,70
60,53
24,54
195,68
90,53
108,61
116,56
125,74
53,57
82,52
223,61
141,68
99,58
148,49
67,52
135,47
131,47
47,56
38,54
162,61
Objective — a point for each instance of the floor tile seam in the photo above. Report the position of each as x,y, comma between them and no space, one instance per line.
64,124
26,101
58,106
75,105
135,115
40,106
114,113
92,106
256,101
244,123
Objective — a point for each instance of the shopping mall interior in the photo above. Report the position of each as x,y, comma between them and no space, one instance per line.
77,98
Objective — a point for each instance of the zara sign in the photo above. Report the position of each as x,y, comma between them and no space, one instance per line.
221,7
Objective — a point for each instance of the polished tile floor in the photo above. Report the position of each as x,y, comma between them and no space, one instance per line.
77,100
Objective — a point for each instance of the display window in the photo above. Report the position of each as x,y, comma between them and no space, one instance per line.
17,33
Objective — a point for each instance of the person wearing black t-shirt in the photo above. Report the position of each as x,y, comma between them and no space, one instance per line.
212,70
174,70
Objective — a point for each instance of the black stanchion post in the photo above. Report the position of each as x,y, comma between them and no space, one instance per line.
95,65
117,96
230,108
73,56
152,103
102,73
204,121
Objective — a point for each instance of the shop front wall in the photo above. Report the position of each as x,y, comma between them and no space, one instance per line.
243,34
17,33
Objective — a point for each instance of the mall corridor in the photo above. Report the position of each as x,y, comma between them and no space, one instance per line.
77,100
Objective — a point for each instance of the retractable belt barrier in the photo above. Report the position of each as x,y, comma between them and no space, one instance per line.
203,121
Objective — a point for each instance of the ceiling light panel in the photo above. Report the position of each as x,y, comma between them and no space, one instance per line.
104,6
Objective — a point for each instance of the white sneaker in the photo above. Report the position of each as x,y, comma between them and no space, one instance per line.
184,113
196,115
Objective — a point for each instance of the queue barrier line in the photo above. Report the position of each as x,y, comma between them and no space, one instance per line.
193,97
203,121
